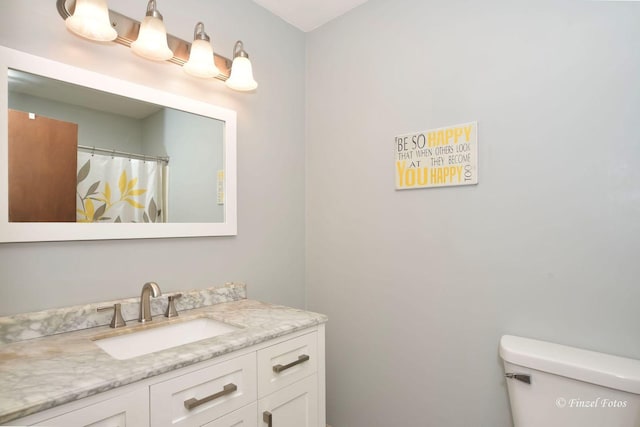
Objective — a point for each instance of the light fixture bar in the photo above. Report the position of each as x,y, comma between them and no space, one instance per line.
128,28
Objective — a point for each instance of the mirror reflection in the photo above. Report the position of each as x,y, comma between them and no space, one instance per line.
81,155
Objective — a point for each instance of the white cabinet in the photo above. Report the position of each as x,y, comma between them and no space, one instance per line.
283,378
288,383
243,417
206,394
129,409
293,406
286,362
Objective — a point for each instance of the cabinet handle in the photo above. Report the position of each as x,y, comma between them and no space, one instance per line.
279,368
193,402
266,417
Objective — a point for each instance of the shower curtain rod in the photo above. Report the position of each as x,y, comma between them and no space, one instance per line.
124,154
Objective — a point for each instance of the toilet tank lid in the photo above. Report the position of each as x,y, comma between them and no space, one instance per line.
615,372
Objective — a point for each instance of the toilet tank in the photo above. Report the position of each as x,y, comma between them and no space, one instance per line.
553,385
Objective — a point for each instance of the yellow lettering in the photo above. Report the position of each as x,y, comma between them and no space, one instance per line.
449,135
459,171
467,132
431,138
457,134
444,136
452,173
446,174
423,178
410,177
400,167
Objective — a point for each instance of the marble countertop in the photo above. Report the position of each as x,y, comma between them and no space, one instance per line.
41,373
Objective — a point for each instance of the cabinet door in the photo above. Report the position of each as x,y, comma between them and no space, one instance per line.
194,399
243,417
293,406
128,410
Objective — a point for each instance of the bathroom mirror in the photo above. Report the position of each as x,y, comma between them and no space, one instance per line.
86,157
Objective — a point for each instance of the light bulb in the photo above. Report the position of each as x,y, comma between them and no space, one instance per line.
152,37
201,62
91,20
241,77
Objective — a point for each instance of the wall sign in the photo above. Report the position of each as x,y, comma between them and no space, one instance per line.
437,157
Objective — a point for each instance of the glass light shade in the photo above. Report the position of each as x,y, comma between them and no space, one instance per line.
241,77
91,20
201,63
152,40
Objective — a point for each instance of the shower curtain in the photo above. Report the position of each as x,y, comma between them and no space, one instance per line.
117,189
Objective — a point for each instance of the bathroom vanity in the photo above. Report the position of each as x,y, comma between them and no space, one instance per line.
266,370
224,360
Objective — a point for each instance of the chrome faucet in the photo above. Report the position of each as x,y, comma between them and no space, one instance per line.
148,289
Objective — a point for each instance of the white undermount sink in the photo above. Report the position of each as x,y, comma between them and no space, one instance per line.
162,337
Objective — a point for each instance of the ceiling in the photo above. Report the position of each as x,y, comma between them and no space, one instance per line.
67,93
308,15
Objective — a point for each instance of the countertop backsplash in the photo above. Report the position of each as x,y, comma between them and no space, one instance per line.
27,326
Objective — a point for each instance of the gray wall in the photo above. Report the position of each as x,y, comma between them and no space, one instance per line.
95,128
193,173
419,285
195,146
268,253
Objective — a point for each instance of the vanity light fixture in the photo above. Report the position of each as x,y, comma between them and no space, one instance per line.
152,37
241,71
91,20
200,62
166,47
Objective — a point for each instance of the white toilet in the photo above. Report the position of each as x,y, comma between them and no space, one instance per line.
552,385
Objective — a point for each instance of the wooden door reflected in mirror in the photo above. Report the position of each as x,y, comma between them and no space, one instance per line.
42,168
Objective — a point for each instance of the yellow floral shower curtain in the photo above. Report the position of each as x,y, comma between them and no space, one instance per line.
116,189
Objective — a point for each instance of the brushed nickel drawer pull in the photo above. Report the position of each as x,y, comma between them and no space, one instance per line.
279,368
267,418
193,402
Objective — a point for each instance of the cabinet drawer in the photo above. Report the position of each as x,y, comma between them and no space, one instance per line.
243,417
287,362
198,397
128,410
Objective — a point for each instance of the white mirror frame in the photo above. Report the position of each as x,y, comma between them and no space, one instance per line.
38,231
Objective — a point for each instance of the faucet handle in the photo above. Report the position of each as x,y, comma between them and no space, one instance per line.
171,307
117,321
